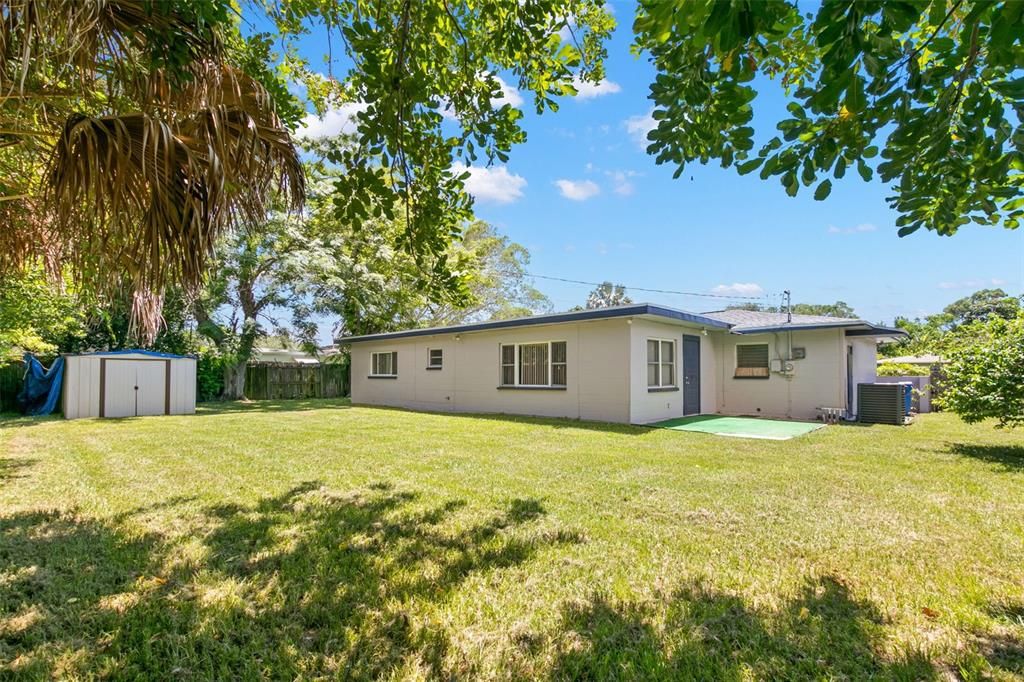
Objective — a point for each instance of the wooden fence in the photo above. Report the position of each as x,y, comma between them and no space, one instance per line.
10,385
281,381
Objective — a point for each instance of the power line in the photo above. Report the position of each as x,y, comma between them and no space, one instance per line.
654,291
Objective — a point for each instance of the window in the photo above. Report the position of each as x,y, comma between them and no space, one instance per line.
384,364
752,361
534,364
435,358
661,363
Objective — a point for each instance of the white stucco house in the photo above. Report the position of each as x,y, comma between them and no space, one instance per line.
637,363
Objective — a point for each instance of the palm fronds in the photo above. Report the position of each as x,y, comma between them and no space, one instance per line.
143,144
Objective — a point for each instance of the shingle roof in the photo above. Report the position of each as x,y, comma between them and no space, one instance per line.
754,318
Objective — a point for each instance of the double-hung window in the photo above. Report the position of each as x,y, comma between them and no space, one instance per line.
661,363
751,361
534,365
384,364
435,358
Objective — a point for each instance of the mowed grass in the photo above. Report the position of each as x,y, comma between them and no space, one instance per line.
318,540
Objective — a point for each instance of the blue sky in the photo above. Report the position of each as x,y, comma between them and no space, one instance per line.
587,201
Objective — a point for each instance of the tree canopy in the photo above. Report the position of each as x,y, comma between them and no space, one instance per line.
928,94
426,78
984,376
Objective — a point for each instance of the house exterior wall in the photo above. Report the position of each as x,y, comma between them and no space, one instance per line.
597,373
648,406
819,380
865,365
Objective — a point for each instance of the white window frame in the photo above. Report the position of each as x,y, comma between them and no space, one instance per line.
394,362
430,358
516,367
661,363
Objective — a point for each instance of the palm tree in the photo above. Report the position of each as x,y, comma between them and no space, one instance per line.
129,143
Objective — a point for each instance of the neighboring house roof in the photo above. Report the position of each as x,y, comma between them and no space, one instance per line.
631,310
299,357
738,321
758,322
926,359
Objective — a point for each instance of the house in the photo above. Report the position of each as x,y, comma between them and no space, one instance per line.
290,356
636,363
926,360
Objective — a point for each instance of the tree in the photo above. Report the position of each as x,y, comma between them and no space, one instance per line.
984,377
257,271
134,134
936,84
426,79
607,295
374,287
36,316
983,305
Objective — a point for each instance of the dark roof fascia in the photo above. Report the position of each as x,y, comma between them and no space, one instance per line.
872,330
581,316
133,351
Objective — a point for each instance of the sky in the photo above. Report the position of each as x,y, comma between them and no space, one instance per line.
591,205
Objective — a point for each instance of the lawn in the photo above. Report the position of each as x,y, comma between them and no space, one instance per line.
300,540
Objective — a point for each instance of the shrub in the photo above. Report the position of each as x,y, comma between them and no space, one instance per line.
896,369
985,374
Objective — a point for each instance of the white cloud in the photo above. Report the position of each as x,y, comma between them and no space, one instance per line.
638,126
335,121
492,184
856,229
509,95
738,289
589,90
973,283
578,190
621,183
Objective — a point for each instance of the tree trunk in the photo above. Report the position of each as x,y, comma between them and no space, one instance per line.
234,380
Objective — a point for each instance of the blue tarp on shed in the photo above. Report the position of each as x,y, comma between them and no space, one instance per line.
41,389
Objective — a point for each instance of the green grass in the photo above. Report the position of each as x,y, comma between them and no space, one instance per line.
302,540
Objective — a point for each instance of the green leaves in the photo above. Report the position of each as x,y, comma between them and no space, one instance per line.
932,87
824,189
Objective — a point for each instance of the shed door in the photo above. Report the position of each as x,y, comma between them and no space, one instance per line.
691,374
134,388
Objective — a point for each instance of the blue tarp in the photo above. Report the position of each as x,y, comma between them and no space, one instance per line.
41,389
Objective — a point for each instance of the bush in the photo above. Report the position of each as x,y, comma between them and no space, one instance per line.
985,374
896,369
209,375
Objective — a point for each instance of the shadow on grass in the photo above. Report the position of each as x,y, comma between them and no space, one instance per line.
549,422
10,466
306,583
1009,457
704,634
298,405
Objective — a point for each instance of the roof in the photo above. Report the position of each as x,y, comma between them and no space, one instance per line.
926,359
757,322
135,351
737,321
631,310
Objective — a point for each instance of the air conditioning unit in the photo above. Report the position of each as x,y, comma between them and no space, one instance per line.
883,404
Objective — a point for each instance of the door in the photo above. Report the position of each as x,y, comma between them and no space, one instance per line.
691,374
133,388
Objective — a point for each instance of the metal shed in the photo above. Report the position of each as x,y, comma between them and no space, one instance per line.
128,383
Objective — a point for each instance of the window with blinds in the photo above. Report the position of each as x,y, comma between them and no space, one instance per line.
534,364
384,364
661,363
435,358
752,361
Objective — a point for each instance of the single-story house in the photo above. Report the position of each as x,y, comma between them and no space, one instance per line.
637,363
